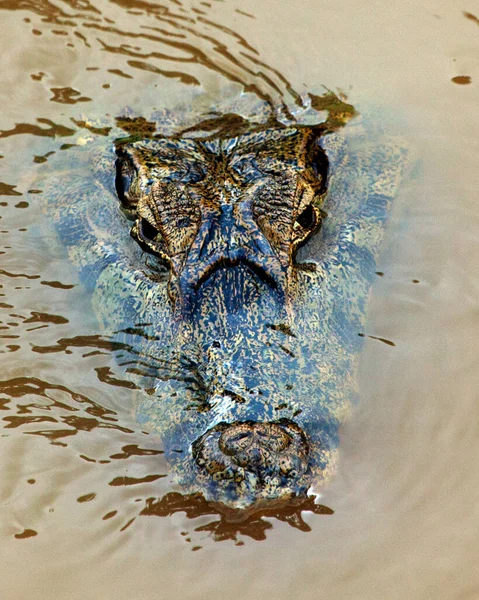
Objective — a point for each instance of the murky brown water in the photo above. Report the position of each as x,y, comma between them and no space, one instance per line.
81,486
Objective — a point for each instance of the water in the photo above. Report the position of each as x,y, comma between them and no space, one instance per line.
77,471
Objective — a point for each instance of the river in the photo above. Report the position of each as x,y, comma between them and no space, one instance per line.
80,482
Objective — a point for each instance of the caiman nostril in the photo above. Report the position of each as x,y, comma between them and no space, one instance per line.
268,456
272,437
236,439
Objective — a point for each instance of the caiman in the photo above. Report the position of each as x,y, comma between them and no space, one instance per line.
240,297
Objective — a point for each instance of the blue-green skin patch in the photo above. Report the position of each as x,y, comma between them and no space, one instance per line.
259,362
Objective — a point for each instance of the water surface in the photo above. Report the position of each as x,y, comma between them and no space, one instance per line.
88,506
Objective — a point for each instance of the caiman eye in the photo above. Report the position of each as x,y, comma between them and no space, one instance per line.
308,218
320,164
123,179
148,231
148,237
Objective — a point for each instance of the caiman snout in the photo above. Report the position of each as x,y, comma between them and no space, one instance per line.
264,460
229,237
254,445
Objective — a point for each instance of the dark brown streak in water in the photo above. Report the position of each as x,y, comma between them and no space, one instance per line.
81,37
26,533
8,190
14,422
221,49
121,481
127,51
471,17
245,14
339,111
58,285
67,95
43,8
104,375
281,77
86,498
380,339
98,342
53,130
50,13
183,77
120,73
155,10
133,450
96,130
229,31
39,317
233,522
462,79
42,158
190,36
137,126
80,341
15,275
174,34
19,387
169,18
127,525
196,55
82,5
226,124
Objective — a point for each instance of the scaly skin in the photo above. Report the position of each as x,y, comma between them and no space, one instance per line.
247,355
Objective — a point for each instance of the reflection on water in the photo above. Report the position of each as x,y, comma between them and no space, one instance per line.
177,37
232,524
471,17
236,66
77,468
87,417
461,79
39,408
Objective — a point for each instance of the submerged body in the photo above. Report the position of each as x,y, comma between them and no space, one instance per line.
245,350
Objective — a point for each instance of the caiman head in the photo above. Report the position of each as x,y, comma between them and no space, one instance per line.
226,216
203,206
